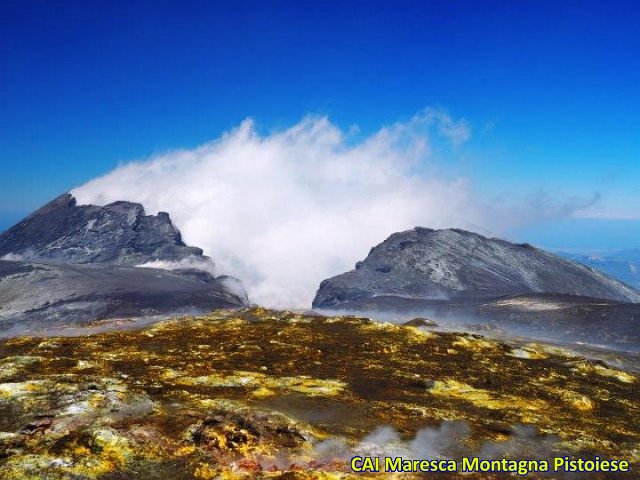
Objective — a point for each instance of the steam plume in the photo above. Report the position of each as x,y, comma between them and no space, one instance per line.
284,211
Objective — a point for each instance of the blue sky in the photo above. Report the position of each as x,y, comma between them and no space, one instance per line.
550,90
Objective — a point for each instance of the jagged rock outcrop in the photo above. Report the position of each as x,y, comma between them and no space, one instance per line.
119,233
461,266
67,264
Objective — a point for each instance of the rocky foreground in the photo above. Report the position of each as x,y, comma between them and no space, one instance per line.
264,394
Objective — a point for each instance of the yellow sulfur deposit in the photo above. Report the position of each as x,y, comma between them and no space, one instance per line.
264,394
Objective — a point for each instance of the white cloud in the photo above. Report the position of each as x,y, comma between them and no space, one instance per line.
284,211
529,208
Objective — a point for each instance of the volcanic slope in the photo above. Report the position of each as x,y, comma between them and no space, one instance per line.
457,265
67,264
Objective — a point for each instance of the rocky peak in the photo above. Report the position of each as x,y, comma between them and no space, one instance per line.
454,264
119,233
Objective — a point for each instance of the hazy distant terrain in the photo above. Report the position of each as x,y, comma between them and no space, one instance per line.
623,264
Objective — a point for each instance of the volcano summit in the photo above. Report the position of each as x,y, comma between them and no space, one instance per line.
67,264
466,276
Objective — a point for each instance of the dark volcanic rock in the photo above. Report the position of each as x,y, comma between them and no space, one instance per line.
463,278
575,319
118,233
67,264
420,322
456,265
550,317
57,294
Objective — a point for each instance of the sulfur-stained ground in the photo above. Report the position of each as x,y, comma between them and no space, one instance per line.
265,394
